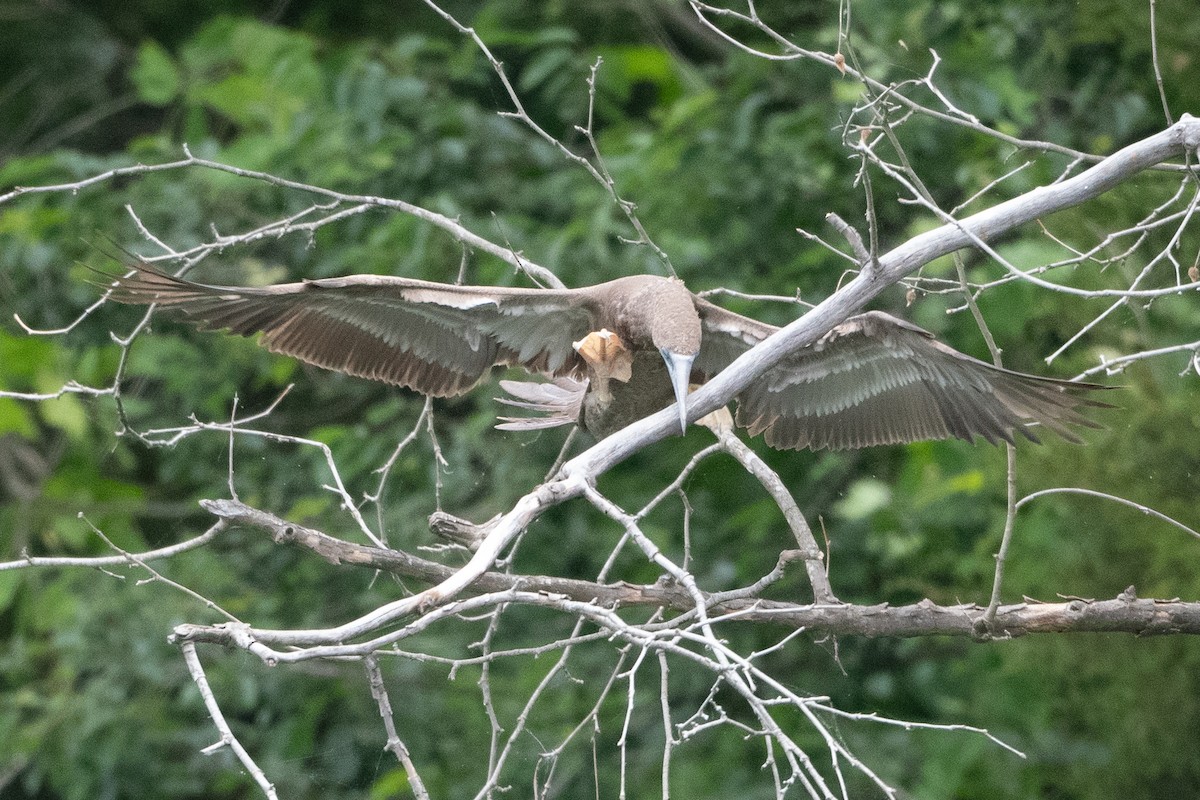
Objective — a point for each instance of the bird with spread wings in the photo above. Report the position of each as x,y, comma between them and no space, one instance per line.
621,350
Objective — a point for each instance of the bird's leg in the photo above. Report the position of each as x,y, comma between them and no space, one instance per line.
719,422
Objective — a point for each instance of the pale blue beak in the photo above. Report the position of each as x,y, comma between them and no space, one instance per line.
679,367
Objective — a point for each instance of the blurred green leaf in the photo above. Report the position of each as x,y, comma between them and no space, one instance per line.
155,74
864,498
10,582
14,418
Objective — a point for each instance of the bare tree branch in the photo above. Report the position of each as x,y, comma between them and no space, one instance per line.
1123,615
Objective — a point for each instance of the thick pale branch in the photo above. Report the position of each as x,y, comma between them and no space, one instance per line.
1180,138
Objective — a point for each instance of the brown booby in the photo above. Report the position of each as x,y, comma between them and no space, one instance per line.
621,350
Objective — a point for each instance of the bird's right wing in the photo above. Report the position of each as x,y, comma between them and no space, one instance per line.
438,339
876,379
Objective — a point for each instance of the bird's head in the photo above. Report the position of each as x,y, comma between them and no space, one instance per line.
675,331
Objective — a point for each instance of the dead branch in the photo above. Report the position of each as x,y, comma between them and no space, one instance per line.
1125,614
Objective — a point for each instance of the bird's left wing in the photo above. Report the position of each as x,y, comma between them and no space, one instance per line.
876,379
438,339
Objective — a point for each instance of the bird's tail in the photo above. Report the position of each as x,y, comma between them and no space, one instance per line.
559,403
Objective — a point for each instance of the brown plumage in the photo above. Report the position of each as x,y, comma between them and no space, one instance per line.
624,349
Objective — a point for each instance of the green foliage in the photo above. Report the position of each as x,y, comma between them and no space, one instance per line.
155,74
725,156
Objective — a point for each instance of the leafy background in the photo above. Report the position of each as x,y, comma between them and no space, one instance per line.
725,156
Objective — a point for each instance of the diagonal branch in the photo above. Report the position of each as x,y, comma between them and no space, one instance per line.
1183,136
